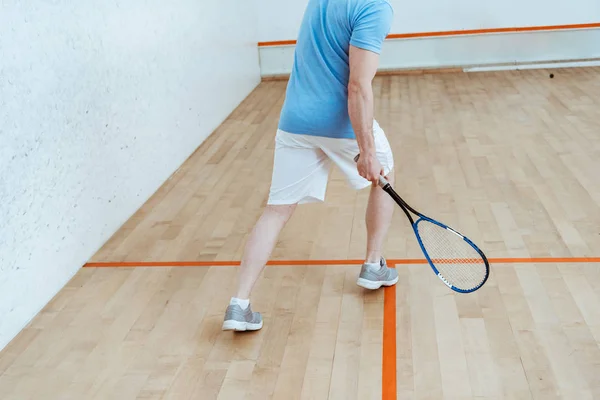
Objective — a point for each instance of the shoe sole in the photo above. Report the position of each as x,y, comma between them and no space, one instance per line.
367,284
241,326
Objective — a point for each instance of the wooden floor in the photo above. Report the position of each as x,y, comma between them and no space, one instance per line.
510,158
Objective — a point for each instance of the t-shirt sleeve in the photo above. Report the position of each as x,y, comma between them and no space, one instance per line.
372,25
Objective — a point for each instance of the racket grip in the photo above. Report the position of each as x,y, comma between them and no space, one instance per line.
382,180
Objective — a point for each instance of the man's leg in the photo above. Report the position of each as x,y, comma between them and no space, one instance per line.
260,245
300,173
374,272
378,218
239,315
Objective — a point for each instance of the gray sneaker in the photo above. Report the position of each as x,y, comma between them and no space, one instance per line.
375,279
237,319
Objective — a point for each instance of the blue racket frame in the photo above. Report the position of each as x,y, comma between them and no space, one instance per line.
432,265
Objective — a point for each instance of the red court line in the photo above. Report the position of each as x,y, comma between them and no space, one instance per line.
509,260
461,32
388,367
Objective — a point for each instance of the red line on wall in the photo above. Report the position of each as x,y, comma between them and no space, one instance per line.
461,32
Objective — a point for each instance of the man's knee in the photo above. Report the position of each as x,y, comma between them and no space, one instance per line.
281,211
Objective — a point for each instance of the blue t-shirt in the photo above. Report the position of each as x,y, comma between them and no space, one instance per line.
316,100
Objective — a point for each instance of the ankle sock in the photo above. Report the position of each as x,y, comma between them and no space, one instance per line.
244,303
376,266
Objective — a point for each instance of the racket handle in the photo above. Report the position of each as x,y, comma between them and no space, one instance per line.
382,180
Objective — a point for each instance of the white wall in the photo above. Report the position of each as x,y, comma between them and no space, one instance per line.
99,103
281,21
496,51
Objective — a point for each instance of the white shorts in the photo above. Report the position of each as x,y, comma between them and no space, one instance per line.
302,163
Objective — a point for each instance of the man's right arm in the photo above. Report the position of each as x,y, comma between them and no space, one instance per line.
370,28
363,66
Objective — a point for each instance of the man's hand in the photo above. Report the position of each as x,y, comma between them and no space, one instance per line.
369,168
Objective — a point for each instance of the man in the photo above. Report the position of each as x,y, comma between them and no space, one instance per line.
327,118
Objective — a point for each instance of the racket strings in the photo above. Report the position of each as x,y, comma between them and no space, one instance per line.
456,260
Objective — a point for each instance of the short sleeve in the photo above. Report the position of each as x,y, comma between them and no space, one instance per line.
372,25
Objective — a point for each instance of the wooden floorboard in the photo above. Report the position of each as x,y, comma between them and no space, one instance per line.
511,158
